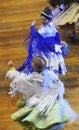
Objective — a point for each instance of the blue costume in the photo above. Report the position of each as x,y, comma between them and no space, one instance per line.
46,43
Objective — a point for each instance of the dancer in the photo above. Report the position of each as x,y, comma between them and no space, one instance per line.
45,106
47,43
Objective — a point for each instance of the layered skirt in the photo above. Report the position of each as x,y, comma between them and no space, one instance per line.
60,112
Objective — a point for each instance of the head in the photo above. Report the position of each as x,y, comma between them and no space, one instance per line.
46,15
38,63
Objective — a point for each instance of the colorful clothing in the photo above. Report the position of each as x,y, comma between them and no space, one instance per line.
46,43
45,105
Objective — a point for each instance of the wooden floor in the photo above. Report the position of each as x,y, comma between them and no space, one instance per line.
15,20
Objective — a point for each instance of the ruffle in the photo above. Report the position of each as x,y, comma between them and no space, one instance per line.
60,112
40,46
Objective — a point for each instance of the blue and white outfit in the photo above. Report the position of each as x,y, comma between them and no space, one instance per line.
46,43
45,105
56,61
